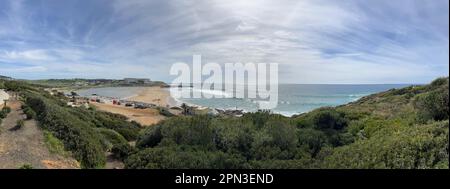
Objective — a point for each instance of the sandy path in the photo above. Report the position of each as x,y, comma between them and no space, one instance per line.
26,145
143,116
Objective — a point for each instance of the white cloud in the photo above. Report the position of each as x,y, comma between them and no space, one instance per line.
324,41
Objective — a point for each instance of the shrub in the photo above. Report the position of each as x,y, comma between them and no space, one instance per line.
54,145
187,158
77,136
410,147
26,166
116,122
150,138
165,112
433,105
29,113
329,119
20,124
6,109
313,139
122,151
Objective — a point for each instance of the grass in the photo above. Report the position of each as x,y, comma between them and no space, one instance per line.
54,145
26,166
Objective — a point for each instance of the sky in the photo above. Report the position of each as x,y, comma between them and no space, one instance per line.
313,41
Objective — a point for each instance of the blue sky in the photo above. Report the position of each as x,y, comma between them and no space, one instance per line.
314,41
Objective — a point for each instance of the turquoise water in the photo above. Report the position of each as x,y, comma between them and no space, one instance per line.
295,98
292,98
115,92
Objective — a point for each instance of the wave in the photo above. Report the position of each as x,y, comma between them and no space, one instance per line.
213,92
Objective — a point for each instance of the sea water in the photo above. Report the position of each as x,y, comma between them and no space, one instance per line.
292,98
114,92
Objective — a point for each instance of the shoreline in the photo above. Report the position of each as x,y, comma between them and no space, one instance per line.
153,95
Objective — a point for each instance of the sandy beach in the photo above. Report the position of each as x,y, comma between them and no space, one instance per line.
145,117
154,95
3,96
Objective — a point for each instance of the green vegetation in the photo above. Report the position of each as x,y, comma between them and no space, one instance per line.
20,123
4,112
78,136
54,145
28,112
26,166
400,128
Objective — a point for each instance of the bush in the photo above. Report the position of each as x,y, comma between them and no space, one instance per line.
433,105
30,114
20,124
54,145
4,112
409,147
329,119
179,158
111,138
116,122
122,151
150,138
165,112
77,136
313,139
26,166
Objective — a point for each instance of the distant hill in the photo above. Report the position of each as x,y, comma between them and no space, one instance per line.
5,77
86,83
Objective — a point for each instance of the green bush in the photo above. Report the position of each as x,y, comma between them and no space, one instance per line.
165,112
329,119
122,151
77,136
20,124
416,147
26,166
5,111
116,122
151,137
433,105
179,158
313,139
29,113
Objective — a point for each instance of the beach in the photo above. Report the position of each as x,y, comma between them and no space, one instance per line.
145,117
153,95
3,96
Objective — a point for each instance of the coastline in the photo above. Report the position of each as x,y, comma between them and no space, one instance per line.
153,95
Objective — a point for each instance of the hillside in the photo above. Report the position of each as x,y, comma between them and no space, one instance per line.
399,128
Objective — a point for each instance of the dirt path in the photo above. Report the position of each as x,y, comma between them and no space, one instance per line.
26,145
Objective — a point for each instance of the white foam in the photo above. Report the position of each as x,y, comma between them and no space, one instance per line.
213,92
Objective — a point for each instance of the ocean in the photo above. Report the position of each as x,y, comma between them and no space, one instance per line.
114,92
292,98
